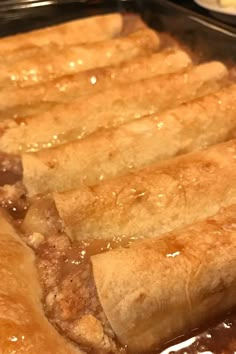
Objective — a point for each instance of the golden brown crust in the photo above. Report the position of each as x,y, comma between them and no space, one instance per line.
157,289
52,302
192,126
23,325
30,100
90,29
126,102
50,64
154,200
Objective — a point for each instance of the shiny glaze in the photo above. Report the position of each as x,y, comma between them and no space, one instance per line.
215,338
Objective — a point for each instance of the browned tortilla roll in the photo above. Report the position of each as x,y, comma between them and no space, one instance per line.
154,200
86,30
50,64
158,289
113,107
23,325
90,81
189,127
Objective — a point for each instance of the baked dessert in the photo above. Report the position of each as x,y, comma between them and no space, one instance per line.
49,62
133,145
118,180
126,102
28,101
87,30
165,196
23,326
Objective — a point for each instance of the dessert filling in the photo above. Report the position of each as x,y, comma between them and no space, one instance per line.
72,305
70,297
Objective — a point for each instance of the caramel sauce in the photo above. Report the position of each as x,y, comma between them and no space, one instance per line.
10,169
216,338
12,193
17,209
219,338
80,252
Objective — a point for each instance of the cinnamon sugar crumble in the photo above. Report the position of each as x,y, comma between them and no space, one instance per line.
70,297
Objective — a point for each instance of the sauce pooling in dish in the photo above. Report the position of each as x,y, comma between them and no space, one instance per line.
69,258
10,169
216,338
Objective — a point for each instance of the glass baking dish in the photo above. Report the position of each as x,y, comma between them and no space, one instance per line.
25,15
207,38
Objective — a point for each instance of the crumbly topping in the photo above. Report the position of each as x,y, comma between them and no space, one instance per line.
35,240
42,217
70,296
74,307
89,330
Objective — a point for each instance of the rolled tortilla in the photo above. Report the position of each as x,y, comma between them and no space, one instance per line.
156,290
160,198
26,45
23,325
189,127
123,103
154,200
91,29
29,100
61,61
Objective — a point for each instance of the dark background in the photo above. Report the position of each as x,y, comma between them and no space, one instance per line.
23,15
